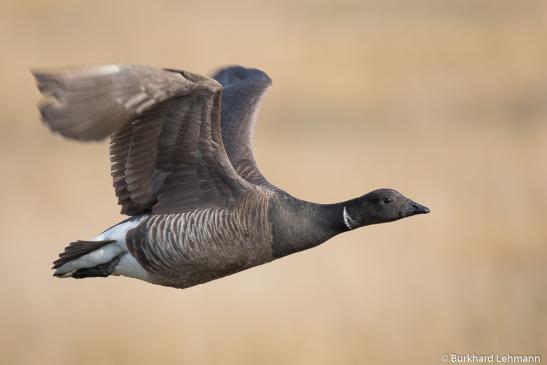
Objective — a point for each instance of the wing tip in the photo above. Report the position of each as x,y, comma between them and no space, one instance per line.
235,74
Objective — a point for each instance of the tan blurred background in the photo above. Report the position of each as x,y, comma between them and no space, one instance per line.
445,101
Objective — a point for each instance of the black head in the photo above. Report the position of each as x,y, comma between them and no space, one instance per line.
380,206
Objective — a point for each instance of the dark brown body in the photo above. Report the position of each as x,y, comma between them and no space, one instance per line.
186,249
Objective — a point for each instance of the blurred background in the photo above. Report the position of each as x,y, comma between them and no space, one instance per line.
445,101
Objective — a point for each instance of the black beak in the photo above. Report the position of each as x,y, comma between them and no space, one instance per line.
413,208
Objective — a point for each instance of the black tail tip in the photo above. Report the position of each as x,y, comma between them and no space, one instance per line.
61,275
78,249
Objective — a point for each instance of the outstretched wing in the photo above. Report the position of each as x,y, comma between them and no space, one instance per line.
244,89
166,148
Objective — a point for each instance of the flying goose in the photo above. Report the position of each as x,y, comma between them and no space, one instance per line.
184,171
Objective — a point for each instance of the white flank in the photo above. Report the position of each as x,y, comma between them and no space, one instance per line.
119,231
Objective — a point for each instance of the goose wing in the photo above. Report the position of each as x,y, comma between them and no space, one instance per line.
166,148
244,89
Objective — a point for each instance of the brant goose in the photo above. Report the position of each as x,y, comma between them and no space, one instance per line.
184,171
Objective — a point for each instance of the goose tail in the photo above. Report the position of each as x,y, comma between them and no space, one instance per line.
82,259
102,256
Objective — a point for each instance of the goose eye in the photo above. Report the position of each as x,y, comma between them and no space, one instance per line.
388,200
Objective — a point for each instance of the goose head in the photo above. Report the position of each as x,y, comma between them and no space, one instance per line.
380,206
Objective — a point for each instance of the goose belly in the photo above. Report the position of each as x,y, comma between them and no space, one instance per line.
186,249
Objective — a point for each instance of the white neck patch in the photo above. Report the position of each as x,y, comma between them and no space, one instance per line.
348,221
